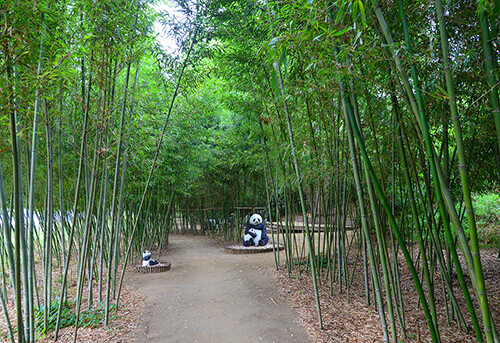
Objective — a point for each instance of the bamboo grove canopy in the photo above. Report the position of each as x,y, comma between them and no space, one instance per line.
382,113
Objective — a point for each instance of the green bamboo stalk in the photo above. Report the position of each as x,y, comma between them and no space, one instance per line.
21,225
174,96
18,208
165,223
489,63
265,156
103,201
415,217
398,297
49,221
440,183
364,223
117,165
462,165
104,224
29,311
116,253
381,243
64,222
392,221
301,195
7,242
7,234
85,245
77,196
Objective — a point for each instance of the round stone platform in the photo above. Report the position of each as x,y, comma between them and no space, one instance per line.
157,268
239,248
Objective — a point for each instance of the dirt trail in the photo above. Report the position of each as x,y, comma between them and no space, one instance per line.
210,295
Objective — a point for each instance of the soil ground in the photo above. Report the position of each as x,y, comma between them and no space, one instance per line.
212,295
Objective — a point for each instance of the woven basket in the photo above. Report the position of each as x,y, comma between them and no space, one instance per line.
157,268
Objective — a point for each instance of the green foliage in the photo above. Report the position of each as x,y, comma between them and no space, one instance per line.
90,318
487,210
487,214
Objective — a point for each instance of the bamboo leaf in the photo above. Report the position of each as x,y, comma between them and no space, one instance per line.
362,12
310,65
341,32
340,13
317,37
275,84
355,6
283,59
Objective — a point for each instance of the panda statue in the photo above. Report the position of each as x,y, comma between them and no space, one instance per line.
147,260
255,233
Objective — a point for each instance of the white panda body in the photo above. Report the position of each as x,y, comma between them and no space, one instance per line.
147,260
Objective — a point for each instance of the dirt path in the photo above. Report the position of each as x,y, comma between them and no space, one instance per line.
210,295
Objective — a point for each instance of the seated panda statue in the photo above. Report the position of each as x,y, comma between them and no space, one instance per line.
147,260
255,233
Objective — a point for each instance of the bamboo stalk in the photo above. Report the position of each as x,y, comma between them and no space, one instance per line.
49,220
462,165
85,244
75,202
118,162
7,243
18,208
364,223
174,96
392,221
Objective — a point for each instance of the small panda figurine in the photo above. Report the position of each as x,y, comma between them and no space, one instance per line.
147,260
255,233
255,236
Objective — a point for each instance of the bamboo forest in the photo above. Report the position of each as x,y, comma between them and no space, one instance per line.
365,133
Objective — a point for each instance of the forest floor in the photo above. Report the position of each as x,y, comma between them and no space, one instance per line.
347,318
211,295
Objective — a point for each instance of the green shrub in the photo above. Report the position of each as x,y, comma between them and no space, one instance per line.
487,210
90,318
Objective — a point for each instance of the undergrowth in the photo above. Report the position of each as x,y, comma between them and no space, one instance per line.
487,210
91,318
